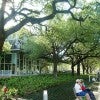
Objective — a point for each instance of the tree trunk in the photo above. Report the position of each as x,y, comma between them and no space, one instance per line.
72,67
90,69
87,70
55,69
2,39
38,67
55,60
2,32
78,69
83,68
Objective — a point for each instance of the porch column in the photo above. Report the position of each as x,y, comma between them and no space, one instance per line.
14,62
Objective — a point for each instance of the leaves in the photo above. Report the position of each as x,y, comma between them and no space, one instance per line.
37,46
7,47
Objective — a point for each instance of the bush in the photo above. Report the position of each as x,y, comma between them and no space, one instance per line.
30,84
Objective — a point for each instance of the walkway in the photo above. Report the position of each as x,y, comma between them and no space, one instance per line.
97,93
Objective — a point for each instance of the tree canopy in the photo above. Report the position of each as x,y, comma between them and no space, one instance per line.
30,12
71,28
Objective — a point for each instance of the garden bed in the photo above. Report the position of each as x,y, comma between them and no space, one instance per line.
31,87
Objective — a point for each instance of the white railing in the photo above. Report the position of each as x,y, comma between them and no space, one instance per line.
18,73
5,72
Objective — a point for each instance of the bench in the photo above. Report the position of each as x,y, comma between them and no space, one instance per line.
79,97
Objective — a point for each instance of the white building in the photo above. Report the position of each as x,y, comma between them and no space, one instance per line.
16,63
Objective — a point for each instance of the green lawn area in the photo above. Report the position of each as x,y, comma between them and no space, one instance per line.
31,87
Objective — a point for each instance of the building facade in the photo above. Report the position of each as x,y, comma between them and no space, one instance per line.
16,63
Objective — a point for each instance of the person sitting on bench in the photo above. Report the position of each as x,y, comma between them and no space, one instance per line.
83,87
79,91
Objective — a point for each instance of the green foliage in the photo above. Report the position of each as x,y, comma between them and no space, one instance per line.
58,32
12,91
9,94
29,84
48,7
7,47
36,46
91,63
